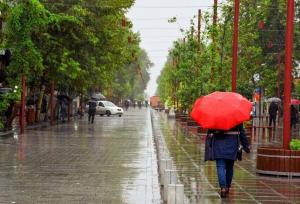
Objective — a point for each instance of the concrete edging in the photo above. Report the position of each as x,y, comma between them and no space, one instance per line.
171,190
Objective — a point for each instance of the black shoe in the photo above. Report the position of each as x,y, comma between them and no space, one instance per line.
227,190
223,193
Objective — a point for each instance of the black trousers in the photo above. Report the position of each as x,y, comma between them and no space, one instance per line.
272,119
293,122
92,115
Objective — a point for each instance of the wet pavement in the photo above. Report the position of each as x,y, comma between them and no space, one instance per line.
111,161
200,179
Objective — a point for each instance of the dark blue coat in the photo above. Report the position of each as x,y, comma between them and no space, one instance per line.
225,146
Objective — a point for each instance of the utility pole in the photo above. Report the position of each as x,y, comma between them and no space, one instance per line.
235,45
288,73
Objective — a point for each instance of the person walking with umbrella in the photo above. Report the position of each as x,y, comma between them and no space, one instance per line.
273,109
223,113
126,104
92,110
225,151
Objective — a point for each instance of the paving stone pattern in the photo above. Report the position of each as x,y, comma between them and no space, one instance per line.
200,178
111,161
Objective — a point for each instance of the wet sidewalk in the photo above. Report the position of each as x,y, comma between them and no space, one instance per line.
111,161
200,178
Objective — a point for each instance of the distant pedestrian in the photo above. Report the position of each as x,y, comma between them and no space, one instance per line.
126,105
225,145
44,109
92,110
63,109
294,116
80,111
273,109
139,104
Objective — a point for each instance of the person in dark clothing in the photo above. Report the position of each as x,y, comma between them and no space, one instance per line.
92,110
126,104
225,149
80,111
63,109
273,108
44,108
139,104
294,116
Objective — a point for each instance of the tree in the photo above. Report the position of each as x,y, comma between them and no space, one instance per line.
261,52
81,45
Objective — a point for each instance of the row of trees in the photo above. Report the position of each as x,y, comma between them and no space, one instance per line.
80,45
198,67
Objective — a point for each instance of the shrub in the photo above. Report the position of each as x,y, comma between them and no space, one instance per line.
295,144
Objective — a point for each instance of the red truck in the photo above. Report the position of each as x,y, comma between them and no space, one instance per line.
155,102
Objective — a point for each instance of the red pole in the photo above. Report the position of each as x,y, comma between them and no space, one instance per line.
288,73
235,45
215,15
51,103
199,25
23,102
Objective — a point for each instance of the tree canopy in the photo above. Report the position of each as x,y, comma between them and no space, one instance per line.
82,46
195,68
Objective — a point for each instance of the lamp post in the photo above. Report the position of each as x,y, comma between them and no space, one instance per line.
288,73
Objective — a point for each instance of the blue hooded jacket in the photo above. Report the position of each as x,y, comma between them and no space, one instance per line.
225,144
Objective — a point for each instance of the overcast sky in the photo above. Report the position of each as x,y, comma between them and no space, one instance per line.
150,19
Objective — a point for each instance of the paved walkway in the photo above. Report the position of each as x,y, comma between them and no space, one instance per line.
111,161
200,180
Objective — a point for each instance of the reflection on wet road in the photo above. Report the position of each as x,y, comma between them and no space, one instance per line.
200,180
111,161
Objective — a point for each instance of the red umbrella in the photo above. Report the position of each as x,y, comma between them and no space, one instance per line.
221,110
295,101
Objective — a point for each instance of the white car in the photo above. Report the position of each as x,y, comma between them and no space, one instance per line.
108,108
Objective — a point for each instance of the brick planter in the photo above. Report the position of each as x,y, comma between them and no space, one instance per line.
30,116
277,161
178,116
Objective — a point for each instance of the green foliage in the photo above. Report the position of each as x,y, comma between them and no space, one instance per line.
25,19
81,45
197,68
6,99
295,144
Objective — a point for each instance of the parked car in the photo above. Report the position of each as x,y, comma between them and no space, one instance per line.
108,108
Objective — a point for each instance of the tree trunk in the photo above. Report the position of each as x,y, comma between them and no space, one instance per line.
39,104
